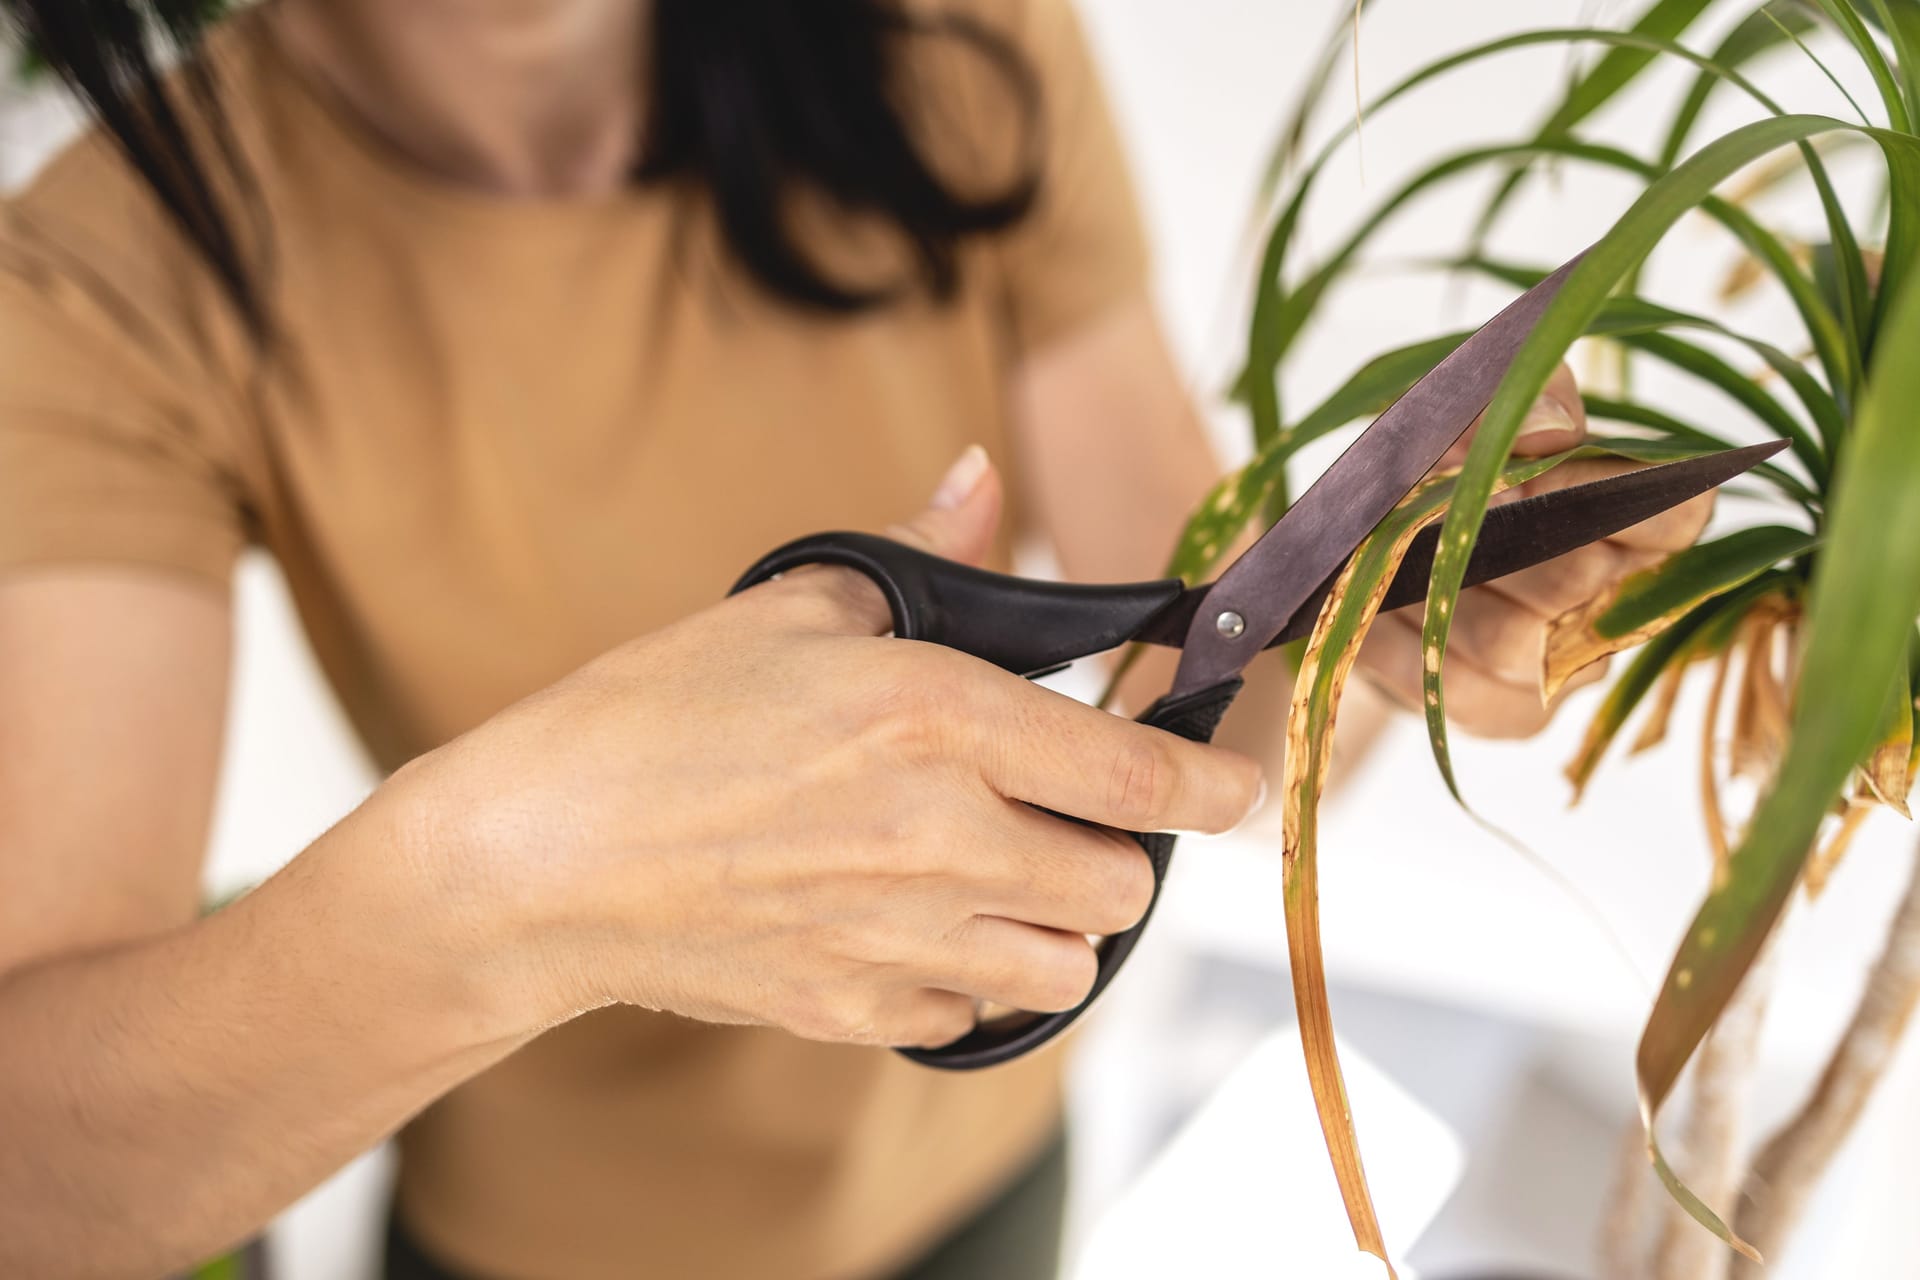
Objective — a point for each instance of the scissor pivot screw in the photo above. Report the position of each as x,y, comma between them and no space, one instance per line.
1230,624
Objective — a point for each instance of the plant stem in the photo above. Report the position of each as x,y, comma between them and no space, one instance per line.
1788,1169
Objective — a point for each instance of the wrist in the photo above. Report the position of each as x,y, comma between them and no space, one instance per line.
435,907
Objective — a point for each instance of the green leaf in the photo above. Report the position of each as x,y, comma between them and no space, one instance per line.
1761,31
1737,386
1293,133
1264,344
1626,314
1900,19
226,1267
1693,633
1820,62
1280,313
1848,20
1615,70
1606,408
1659,26
1645,603
1864,595
1373,387
1707,568
1579,301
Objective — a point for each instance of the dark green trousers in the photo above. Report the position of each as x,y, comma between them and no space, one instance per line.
1017,1237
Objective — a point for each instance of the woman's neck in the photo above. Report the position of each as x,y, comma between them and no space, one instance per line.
519,97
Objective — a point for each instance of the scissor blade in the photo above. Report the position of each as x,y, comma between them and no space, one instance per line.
1517,535
1266,586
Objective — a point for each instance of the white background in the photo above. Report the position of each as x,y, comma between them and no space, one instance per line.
1464,974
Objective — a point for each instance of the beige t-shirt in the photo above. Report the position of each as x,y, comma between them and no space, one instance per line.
493,439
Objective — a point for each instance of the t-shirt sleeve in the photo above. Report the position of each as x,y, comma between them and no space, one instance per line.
1081,249
115,444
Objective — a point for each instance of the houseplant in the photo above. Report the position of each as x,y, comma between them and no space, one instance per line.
1804,620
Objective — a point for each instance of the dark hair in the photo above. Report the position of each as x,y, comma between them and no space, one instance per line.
753,99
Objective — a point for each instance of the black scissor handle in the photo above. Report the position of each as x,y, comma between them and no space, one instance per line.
1024,625
1003,1039
1027,627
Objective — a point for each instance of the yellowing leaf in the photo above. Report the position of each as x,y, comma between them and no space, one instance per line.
1761,710
1706,629
1644,604
1326,662
1821,863
1653,731
1324,667
1709,788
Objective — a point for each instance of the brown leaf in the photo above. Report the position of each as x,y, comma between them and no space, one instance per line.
1887,775
1324,667
1573,645
1666,694
1709,786
1822,861
1760,712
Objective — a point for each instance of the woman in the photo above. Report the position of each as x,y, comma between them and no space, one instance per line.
513,329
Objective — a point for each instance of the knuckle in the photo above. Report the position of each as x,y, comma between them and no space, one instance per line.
1132,891
1069,979
848,1014
919,702
1110,884
1141,784
937,1020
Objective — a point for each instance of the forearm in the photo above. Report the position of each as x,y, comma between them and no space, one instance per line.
164,1098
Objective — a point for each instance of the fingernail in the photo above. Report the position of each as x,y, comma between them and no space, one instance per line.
1546,416
1259,803
962,478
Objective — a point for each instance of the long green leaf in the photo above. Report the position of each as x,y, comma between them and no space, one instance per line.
1373,387
1280,314
1626,314
1760,32
1580,299
1617,253
1607,408
1313,88
1864,595
1737,386
1266,342
1851,25
1666,20
1900,19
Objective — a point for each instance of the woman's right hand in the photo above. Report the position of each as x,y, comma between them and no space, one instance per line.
770,813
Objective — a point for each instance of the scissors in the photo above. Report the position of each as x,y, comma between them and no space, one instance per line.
1270,595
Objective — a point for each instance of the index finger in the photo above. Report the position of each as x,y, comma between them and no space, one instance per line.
1556,422
1050,750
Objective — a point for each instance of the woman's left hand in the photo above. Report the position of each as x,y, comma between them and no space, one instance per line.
1494,656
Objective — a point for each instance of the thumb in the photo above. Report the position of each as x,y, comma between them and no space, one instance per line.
958,522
